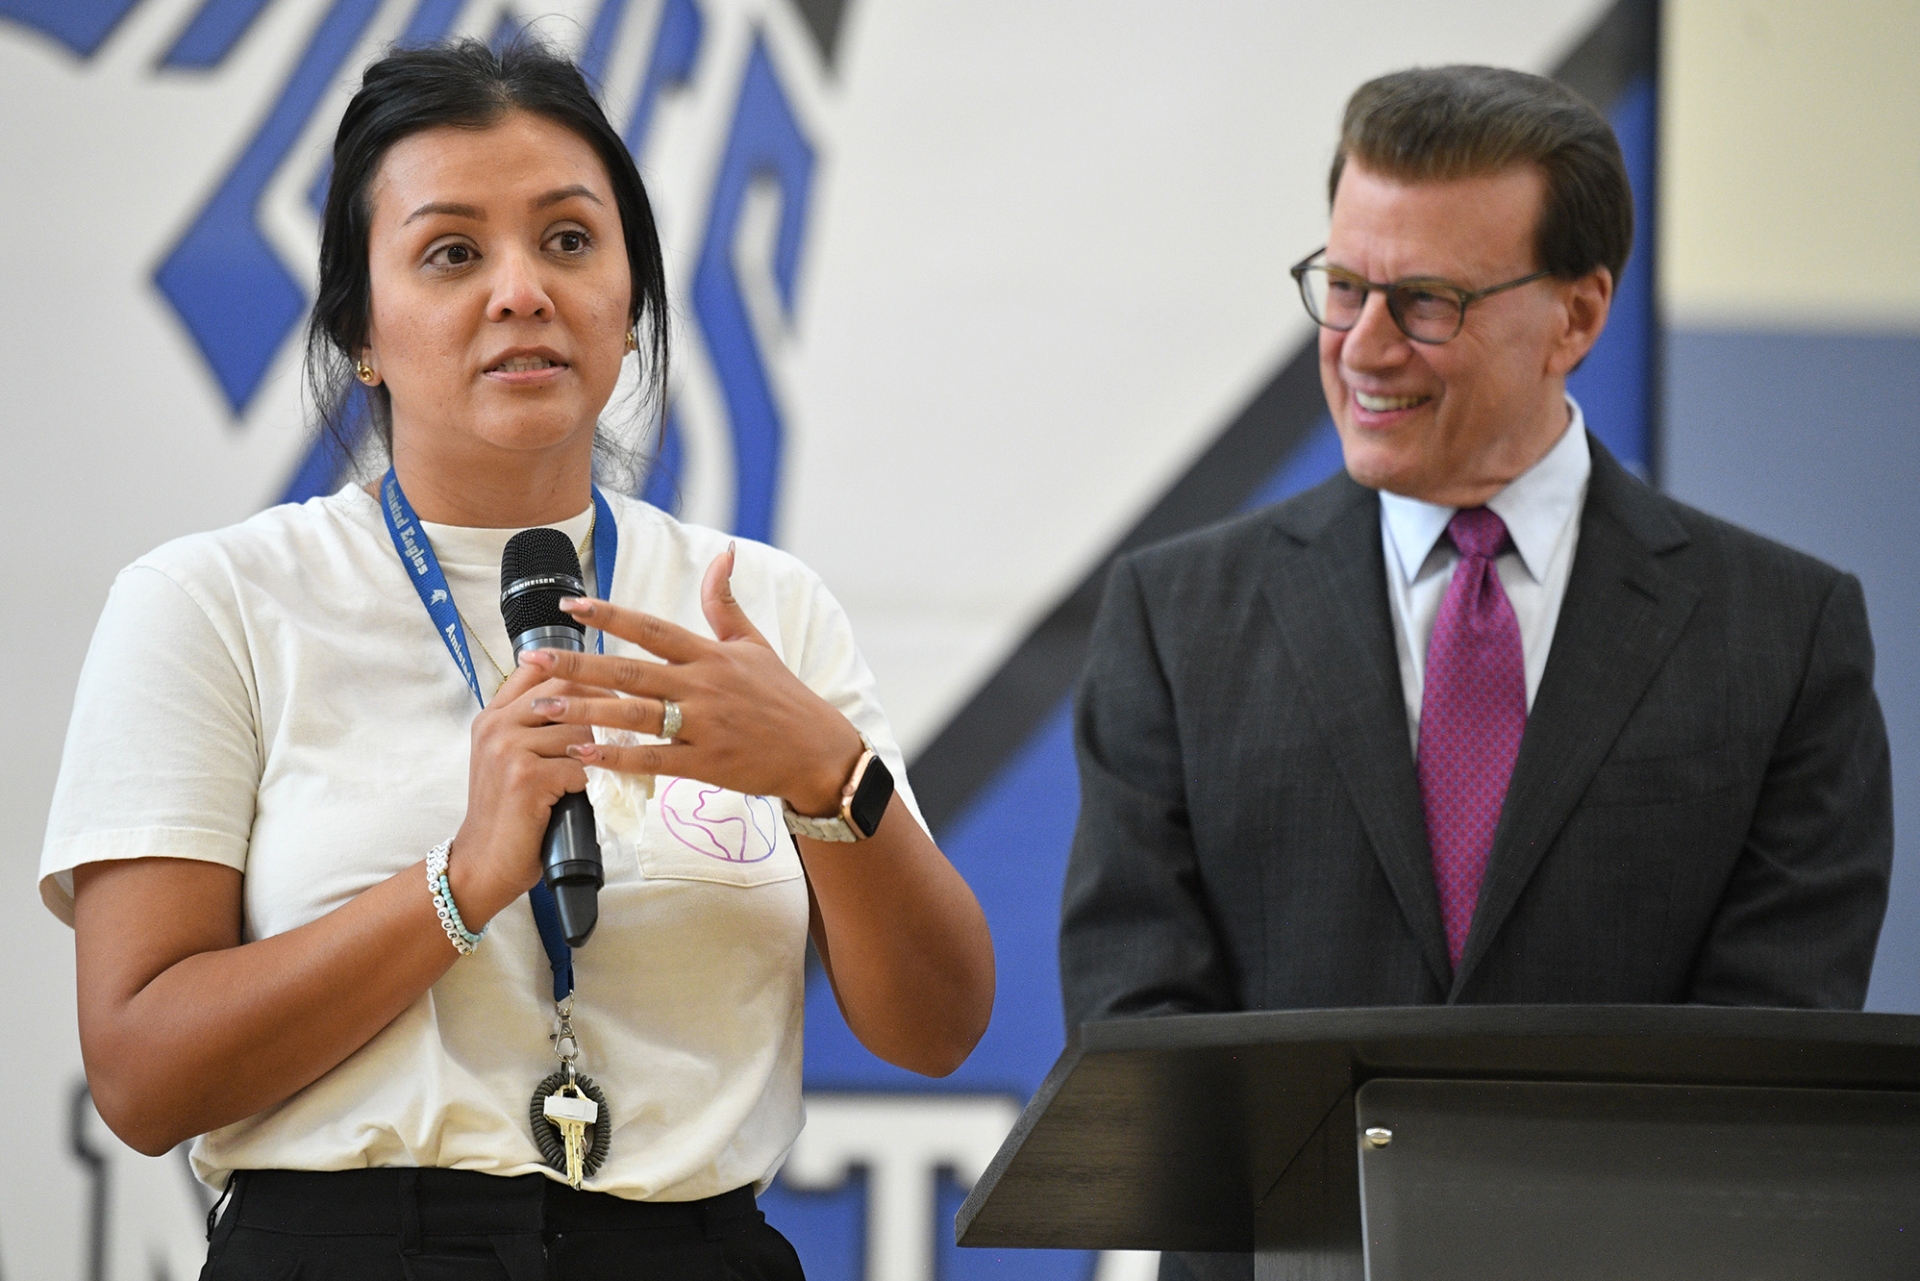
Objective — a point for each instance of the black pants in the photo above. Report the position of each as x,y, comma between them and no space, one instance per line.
438,1225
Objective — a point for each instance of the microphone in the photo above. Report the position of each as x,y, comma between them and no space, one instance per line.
538,569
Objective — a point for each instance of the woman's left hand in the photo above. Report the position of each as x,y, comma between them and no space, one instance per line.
899,933
748,723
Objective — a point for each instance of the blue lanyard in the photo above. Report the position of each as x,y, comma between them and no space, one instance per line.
416,553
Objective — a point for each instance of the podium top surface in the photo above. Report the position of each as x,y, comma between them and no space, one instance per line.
1168,1131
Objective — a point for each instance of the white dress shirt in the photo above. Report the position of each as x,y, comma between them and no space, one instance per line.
1541,508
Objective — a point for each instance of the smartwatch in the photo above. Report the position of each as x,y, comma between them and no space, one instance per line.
863,803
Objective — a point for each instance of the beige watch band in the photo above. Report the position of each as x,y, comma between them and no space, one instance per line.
834,827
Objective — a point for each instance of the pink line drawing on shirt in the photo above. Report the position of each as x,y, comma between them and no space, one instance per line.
695,814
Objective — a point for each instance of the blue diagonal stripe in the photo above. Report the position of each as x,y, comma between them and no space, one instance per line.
431,21
676,44
765,142
210,37
237,299
600,38
81,25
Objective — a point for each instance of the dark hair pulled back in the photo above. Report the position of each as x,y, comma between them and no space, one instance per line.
471,86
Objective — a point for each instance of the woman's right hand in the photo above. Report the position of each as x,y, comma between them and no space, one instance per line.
187,1026
518,770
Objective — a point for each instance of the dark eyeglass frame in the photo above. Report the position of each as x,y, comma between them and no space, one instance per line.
1390,289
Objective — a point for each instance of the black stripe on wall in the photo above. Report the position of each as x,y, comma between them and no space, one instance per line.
1004,712
823,19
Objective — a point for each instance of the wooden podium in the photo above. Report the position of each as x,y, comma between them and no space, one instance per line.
1537,1143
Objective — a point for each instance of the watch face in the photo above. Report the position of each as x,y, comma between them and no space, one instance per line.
870,798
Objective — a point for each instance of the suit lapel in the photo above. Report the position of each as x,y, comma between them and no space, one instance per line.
1620,619
1328,596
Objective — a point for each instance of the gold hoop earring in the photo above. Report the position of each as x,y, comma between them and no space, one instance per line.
364,372
633,339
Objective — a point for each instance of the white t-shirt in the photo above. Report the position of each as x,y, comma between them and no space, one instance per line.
274,697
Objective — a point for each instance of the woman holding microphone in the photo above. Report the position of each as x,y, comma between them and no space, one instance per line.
301,806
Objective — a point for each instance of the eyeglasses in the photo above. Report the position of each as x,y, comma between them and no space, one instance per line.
1427,310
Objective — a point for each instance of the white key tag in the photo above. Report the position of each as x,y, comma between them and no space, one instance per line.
567,1107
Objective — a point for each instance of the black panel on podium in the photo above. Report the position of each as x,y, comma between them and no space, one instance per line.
1486,1142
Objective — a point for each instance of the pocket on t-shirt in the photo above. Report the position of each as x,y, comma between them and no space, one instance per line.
699,832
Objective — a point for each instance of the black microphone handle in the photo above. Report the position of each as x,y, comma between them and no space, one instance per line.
570,851
570,855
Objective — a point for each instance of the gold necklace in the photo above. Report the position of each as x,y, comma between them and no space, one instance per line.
473,633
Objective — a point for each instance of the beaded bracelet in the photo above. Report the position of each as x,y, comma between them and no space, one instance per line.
457,933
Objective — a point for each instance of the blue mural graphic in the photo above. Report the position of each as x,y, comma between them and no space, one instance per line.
765,143
675,47
1615,385
593,55
662,486
237,299
241,305
1011,846
213,33
430,21
506,29
80,25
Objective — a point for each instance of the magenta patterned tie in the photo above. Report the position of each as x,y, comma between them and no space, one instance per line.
1472,714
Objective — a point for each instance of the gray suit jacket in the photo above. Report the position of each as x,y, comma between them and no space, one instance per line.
1701,810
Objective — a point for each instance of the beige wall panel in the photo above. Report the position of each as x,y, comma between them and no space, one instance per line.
1791,164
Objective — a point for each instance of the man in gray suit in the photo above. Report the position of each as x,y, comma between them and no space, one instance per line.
1484,718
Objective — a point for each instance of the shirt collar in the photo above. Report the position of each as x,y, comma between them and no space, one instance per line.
1536,506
